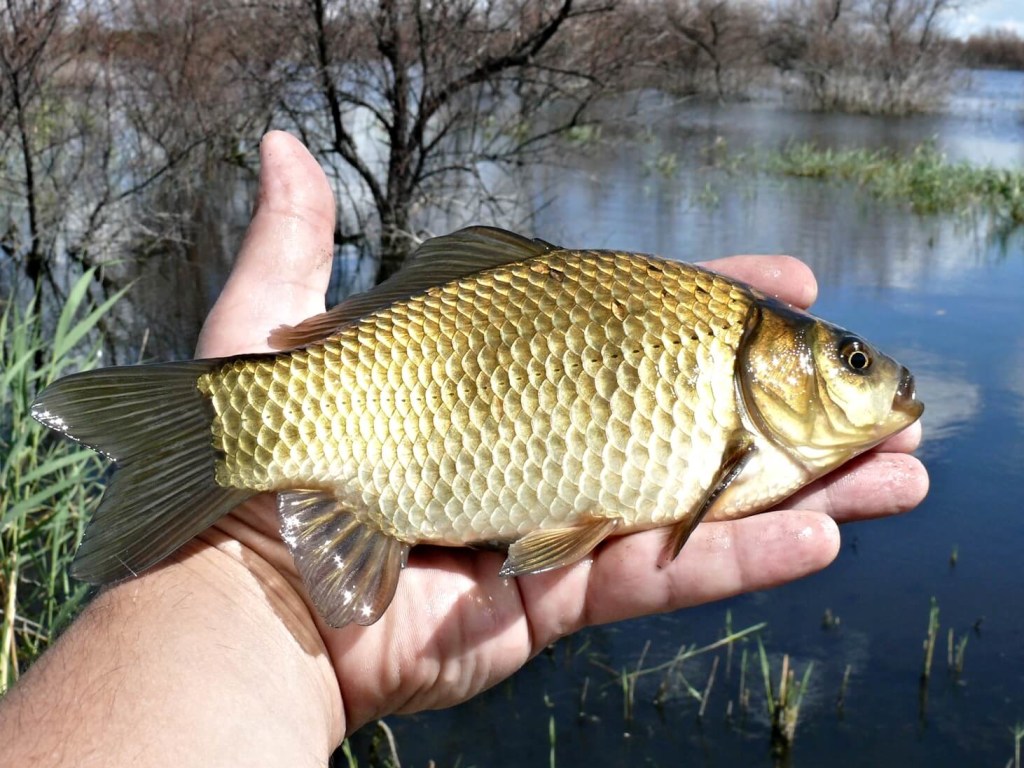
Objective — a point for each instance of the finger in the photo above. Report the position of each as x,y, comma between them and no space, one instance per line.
875,485
627,578
906,441
284,264
783,277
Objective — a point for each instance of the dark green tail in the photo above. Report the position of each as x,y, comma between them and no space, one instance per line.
153,422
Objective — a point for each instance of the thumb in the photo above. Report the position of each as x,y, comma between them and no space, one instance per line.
284,264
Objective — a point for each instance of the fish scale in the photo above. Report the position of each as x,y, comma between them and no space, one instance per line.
557,389
495,390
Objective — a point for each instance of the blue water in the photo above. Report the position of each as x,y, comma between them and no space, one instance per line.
945,296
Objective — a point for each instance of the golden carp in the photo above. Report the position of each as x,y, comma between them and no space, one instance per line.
498,390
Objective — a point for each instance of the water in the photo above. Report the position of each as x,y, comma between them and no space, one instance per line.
944,297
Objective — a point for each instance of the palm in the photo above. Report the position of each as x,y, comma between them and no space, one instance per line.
455,627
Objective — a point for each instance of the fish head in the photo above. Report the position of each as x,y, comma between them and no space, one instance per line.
818,391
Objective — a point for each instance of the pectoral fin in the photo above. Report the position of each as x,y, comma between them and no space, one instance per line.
737,453
546,549
350,569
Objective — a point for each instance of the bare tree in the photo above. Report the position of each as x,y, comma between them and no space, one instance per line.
127,125
194,94
914,57
812,38
30,32
993,48
865,55
717,35
409,102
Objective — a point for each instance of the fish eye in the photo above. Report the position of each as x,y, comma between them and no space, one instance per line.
856,355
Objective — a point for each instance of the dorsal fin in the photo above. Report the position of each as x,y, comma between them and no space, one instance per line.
474,249
436,262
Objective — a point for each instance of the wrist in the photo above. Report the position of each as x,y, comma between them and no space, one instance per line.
251,576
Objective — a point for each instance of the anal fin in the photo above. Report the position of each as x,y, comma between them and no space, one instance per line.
350,569
737,453
543,550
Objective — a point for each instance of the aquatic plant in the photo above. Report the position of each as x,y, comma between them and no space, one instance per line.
929,640
744,690
829,620
46,484
628,681
551,741
924,178
955,652
1018,734
673,676
843,686
783,703
384,748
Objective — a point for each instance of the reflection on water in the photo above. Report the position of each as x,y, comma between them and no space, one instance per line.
699,215
942,296
1014,377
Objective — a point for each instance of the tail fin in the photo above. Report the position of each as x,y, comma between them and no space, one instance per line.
153,422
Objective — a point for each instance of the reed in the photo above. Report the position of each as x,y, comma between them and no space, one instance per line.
707,689
843,686
744,694
582,710
345,750
1018,735
929,641
783,703
728,649
551,741
47,484
628,682
955,652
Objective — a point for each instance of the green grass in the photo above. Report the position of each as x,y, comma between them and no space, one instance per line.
924,178
47,484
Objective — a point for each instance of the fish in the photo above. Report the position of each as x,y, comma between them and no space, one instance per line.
498,391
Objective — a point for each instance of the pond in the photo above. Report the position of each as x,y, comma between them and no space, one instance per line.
943,296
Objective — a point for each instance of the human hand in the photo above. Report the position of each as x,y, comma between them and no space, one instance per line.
455,627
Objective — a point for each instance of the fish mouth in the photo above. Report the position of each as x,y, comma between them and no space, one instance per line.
905,401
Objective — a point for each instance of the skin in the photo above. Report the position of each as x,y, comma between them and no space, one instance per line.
216,657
